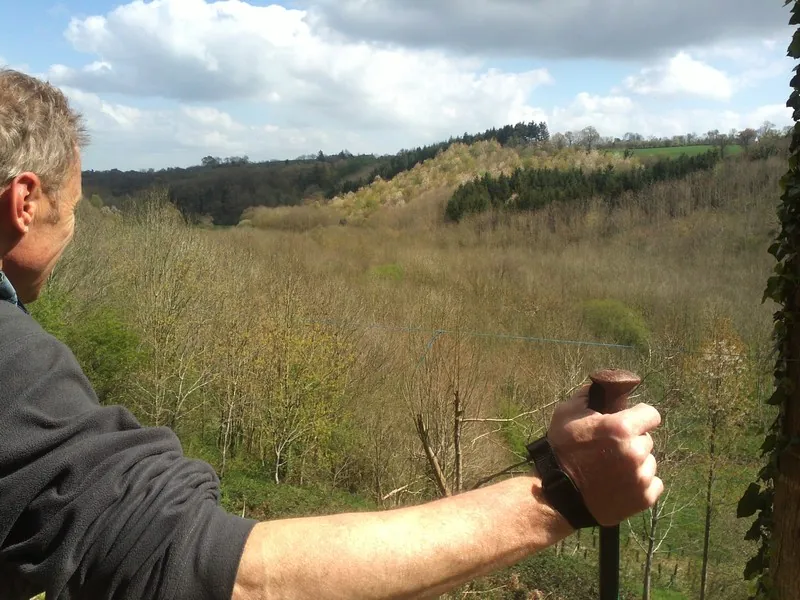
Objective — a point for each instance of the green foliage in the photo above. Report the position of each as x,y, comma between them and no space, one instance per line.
96,201
612,321
657,594
104,345
562,577
390,272
107,350
781,289
514,432
535,188
405,160
50,312
222,189
263,499
673,151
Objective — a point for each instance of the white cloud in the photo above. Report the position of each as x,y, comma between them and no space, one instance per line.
606,113
193,50
682,75
103,116
616,115
127,137
233,78
751,62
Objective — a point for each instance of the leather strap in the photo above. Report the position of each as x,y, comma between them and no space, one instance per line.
558,487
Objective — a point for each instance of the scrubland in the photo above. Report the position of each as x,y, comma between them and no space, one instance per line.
312,353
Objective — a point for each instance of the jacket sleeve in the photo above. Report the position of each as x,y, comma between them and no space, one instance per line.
92,504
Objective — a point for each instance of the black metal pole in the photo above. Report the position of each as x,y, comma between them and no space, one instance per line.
609,563
609,393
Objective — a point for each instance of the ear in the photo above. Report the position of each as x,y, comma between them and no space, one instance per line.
21,199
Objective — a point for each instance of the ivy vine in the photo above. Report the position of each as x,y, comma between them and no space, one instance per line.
758,500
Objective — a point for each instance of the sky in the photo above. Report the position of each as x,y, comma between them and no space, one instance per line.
163,83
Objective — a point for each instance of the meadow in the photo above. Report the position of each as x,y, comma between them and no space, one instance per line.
305,353
694,150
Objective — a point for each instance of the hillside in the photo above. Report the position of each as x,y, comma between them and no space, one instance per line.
220,190
462,163
380,323
432,182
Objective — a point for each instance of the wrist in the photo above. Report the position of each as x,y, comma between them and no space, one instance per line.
558,487
551,525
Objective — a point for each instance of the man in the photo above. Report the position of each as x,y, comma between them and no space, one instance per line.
93,505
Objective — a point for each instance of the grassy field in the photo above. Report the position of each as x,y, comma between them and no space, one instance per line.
366,325
731,150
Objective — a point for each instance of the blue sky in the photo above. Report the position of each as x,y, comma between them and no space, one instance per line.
165,82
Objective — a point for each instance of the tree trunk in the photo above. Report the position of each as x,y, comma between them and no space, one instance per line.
458,424
785,551
438,475
709,501
226,440
651,550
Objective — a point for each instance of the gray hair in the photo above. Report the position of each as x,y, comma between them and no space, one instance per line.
39,131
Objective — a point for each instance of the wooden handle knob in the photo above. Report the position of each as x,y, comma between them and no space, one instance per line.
610,388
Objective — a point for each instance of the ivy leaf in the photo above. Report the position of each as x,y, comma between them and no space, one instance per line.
769,443
768,472
754,566
774,248
750,502
754,532
773,289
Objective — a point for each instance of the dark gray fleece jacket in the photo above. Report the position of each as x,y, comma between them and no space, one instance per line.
92,504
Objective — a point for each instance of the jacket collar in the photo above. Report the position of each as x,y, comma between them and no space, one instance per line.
8,293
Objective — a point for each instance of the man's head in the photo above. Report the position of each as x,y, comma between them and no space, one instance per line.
40,179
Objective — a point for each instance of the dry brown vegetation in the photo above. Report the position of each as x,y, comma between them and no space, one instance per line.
435,177
309,353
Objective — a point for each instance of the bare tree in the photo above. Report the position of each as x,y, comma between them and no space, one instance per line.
167,262
559,141
767,129
746,137
716,379
440,395
657,522
590,137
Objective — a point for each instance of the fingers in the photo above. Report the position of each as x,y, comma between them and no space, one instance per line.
641,447
654,492
647,472
634,421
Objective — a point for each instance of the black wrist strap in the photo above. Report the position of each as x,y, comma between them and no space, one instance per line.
559,489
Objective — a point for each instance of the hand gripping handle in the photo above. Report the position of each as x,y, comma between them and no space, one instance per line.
609,394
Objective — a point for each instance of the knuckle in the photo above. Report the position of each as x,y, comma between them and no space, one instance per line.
623,428
644,479
636,457
615,427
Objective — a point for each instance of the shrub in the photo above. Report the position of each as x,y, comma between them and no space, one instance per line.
107,350
612,321
556,577
391,272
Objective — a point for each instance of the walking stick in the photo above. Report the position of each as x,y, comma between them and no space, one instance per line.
609,394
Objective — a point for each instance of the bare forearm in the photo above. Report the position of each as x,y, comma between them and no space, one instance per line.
413,552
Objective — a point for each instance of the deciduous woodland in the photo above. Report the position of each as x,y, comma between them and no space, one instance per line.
383,344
